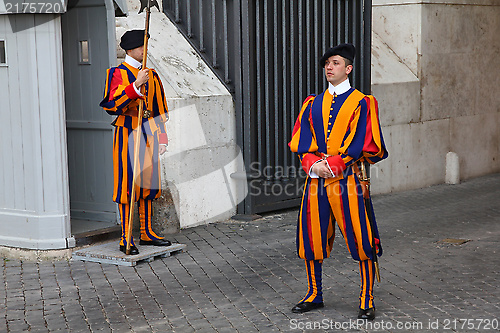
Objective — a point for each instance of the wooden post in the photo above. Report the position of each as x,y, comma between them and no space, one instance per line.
137,136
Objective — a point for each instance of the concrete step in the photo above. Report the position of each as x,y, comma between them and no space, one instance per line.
99,235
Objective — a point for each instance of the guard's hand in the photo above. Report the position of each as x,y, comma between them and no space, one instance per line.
322,170
162,149
142,77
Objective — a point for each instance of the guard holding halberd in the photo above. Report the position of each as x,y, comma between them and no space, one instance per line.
122,98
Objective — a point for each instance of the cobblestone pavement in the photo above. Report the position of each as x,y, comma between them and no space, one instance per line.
245,276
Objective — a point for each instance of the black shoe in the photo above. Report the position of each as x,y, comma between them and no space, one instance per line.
306,306
133,249
156,242
367,313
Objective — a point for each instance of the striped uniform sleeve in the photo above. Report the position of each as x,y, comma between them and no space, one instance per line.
303,138
159,107
118,93
374,149
364,136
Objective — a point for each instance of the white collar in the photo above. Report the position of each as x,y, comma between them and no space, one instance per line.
132,62
340,88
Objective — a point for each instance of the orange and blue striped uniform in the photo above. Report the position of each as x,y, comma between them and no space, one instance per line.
121,100
343,129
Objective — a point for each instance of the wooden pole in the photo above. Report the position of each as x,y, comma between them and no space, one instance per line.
137,136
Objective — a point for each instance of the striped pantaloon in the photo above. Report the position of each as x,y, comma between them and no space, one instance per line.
147,180
341,201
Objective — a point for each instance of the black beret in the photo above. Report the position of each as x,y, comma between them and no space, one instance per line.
344,50
132,39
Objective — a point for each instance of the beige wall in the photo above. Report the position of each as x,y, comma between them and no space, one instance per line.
444,94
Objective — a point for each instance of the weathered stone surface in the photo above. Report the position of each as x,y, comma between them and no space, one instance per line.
165,218
452,47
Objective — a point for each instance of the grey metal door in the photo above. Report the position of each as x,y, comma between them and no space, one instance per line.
90,135
266,52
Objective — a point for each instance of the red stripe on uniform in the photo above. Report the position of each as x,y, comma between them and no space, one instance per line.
309,232
115,82
296,127
343,215
369,145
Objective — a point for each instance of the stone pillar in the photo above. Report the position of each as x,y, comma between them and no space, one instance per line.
452,168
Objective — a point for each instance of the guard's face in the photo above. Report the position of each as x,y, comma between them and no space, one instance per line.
137,53
336,71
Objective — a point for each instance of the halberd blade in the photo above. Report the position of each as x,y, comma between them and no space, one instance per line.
144,5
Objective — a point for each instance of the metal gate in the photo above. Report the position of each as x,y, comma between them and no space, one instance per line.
266,52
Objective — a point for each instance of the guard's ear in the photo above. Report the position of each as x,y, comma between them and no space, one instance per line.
348,69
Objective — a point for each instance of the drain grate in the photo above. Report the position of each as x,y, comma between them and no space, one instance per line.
454,241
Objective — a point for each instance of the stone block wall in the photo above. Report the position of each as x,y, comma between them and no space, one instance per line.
435,72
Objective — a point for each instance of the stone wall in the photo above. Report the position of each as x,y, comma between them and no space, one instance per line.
435,73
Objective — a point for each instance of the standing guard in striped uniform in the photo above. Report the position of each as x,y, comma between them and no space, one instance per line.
334,132
121,95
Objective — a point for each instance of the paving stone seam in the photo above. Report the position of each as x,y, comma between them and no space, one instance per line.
172,296
227,278
152,293
79,293
60,296
116,294
4,285
229,266
132,292
216,239
208,296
